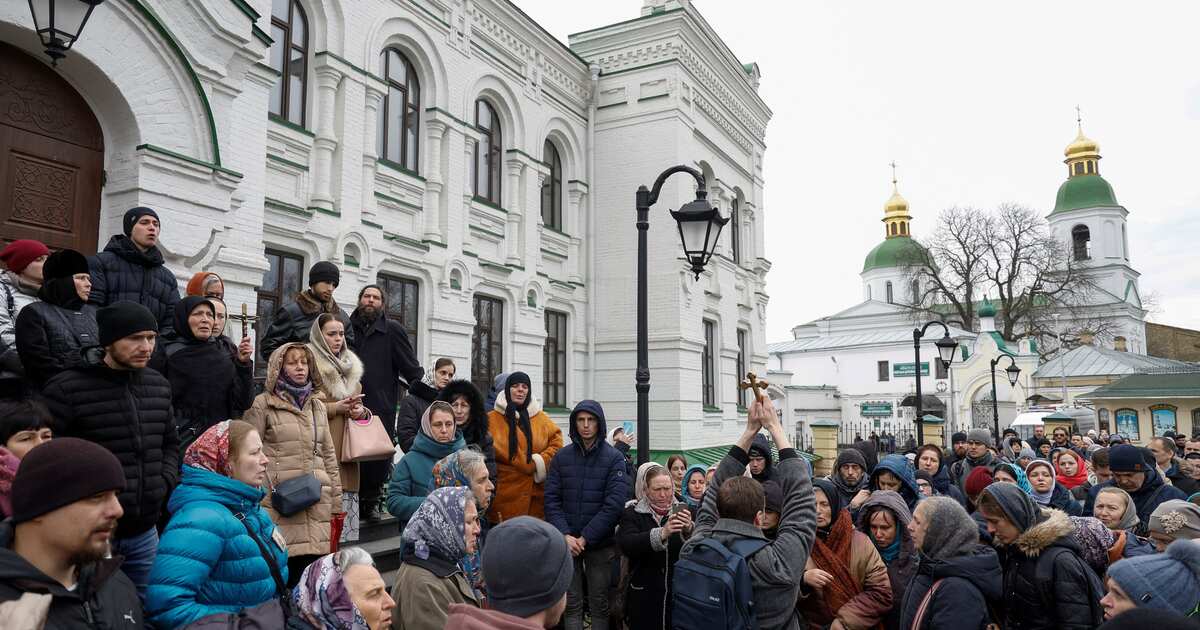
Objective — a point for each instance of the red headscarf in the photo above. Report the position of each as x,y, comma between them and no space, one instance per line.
1079,478
210,451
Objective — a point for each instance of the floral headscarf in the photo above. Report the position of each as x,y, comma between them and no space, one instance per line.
322,596
448,473
1018,474
437,527
210,451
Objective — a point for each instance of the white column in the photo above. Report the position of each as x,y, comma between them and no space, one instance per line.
572,227
512,233
374,98
325,143
435,131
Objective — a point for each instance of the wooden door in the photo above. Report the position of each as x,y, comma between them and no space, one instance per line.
51,157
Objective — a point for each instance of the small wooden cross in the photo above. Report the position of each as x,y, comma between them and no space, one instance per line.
752,382
246,320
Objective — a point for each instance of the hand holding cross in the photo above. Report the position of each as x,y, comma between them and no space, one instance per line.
751,382
246,319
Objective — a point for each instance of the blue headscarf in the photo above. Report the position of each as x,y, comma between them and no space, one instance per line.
1018,474
687,496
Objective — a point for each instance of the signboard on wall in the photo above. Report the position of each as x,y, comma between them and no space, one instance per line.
876,409
909,369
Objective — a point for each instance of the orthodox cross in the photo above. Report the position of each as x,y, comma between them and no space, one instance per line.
1079,117
752,382
893,165
246,320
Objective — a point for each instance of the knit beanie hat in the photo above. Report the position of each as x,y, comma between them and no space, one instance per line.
1176,518
958,438
1126,458
774,494
18,254
978,479
980,435
850,456
61,472
121,319
132,216
1164,581
516,585
324,271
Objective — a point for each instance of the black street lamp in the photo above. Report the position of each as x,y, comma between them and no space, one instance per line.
59,23
1013,373
946,347
699,228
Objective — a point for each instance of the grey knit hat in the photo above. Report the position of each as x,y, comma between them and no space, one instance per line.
1176,518
1164,581
980,435
526,566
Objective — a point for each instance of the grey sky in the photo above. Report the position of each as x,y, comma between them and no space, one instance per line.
975,103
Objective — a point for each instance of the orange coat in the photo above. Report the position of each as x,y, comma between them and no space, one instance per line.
520,485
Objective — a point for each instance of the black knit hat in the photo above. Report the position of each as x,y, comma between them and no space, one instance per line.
132,216
121,319
61,472
1126,458
324,271
64,263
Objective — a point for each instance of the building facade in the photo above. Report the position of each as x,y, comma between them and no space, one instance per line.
451,150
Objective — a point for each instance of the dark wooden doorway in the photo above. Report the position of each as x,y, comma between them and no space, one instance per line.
51,157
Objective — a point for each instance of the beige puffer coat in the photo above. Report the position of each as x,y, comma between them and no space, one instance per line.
287,434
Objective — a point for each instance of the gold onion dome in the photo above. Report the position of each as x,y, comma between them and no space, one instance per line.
896,204
1082,147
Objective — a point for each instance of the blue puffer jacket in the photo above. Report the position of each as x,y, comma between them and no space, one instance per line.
206,561
586,487
898,465
412,477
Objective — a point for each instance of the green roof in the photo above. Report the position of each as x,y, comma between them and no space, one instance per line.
1172,385
1084,191
988,309
898,251
709,456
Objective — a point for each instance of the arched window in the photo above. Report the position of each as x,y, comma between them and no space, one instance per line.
868,292
915,291
552,188
289,57
399,139
488,152
892,229
888,288
735,232
1081,242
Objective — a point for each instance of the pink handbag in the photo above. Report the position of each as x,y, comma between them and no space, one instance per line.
365,441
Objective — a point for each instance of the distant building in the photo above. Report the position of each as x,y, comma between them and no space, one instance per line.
1172,342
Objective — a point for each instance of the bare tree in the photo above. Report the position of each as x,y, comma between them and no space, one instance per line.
951,273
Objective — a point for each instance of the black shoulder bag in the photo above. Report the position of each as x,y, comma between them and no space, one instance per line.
299,493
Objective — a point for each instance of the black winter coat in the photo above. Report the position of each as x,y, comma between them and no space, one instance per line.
51,339
103,593
970,584
1062,499
1069,596
387,355
293,322
651,568
412,407
208,385
129,413
124,272
475,432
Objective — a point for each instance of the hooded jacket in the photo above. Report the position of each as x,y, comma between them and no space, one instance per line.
586,486
294,449
520,484
761,447
124,272
293,321
207,563
776,570
387,355
103,597
129,413
412,476
846,490
898,466
901,569
475,432
1148,497
412,407
970,583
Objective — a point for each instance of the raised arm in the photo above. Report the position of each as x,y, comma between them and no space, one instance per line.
732,465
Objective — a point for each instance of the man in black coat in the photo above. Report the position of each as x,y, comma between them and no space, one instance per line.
56,544
116,402
131,268
292,322
1173,467
387,356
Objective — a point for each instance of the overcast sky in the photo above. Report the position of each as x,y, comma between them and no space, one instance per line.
975,103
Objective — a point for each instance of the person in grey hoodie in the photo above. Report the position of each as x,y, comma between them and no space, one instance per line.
775,570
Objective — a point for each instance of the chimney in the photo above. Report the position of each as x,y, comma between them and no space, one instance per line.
1119,345
1086,338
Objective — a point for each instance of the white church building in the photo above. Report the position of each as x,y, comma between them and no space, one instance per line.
452,150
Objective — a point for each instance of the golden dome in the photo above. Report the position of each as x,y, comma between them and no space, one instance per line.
1082,147
896,204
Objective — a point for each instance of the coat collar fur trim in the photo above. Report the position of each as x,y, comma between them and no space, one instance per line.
1038,538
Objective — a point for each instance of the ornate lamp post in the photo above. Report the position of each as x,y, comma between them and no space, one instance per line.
1013,373
699,228
946,347
59,23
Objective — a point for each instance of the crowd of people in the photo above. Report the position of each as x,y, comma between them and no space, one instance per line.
146,481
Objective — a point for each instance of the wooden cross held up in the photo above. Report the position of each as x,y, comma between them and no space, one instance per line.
246,320
752,382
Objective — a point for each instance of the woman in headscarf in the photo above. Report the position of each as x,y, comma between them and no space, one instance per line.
695,482
931,459
1072,469
651,533
471,418
1011,473
468,469
970,582
885,518
51,333
206,284
295,432
208,385
526,439
411,476
420,394
1115,508
442,532
1047,491
845,581
343,591
207,561
341,390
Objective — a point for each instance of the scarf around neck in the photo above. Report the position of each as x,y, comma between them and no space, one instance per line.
1042,498
890,552
1079,478
291,392
831,552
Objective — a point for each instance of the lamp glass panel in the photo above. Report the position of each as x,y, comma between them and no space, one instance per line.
69,16
694,234
41,13
1013,373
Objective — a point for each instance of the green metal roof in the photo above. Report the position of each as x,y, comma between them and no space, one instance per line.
1084,191
898,251
1176,385
987,309
710,456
